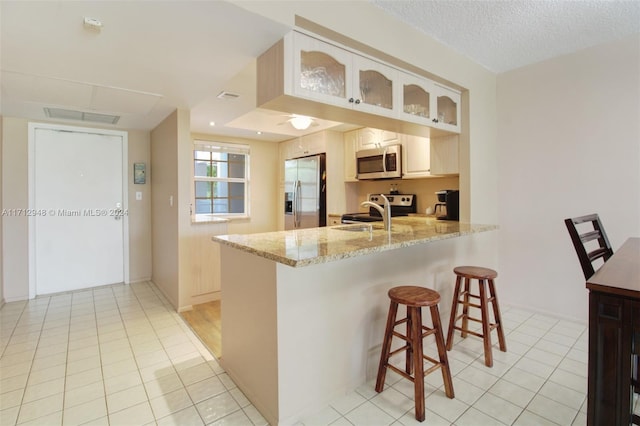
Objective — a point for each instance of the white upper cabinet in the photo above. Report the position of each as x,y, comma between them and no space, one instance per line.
375,87
369,138
308,75
320,71
447,105
350,148
421,157
304,146
331,75
426,102
444,155
416,157
416,99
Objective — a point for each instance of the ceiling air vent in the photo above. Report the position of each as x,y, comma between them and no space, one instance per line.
91,117
227,95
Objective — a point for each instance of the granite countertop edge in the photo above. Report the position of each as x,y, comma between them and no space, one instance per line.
252,242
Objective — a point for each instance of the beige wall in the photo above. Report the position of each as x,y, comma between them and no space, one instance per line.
569,145
15,247
425,189
139,210
1,224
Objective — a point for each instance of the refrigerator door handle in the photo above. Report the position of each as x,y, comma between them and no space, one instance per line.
296,201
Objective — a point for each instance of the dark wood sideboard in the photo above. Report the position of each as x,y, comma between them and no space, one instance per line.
614,335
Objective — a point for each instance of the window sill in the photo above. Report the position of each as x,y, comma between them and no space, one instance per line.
211,218
208,218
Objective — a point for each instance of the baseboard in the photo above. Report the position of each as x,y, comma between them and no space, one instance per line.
507,304
185,308
140,280
166,296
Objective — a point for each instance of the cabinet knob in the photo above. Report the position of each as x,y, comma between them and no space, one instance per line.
357,101
351,100
435,120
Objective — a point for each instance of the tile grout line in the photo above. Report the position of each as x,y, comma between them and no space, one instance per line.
555,368
487,391
26,385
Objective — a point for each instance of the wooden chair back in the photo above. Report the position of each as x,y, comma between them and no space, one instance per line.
584,239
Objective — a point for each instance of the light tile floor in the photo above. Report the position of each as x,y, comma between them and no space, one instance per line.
120,355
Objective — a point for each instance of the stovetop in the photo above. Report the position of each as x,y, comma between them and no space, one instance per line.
401,205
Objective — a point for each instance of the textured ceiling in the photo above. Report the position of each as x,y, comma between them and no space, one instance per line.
504,35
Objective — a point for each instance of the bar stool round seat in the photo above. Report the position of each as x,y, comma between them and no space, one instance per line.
414,298
462,296
477,272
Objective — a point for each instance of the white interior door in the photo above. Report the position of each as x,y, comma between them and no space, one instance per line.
77,191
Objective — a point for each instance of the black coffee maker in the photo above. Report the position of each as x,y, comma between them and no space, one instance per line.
448,206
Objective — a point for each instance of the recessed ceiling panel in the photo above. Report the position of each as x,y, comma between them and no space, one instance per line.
123,101
34,88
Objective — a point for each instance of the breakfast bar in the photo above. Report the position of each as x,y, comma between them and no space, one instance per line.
304,311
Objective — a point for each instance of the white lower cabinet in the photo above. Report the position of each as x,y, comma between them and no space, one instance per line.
334,219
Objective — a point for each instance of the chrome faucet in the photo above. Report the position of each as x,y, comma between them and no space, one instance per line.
385,211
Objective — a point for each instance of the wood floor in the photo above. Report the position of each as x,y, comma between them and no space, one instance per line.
205,321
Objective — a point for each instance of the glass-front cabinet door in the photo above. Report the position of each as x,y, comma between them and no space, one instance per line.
448,108
375,83
321,71
415,99
332,75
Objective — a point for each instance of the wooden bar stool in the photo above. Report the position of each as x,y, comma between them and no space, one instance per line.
414,298
461,297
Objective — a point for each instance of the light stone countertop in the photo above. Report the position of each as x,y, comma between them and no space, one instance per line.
303,247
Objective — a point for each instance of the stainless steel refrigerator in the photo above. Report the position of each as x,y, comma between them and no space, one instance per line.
305,196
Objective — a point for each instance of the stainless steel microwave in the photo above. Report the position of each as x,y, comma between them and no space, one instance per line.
379,163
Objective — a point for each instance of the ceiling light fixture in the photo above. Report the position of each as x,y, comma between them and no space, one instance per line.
212,123
300,122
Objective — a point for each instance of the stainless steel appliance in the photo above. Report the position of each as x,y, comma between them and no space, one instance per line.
448,206
379,163
305,197
401,205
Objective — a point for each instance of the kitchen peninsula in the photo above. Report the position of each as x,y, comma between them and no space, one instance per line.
303,311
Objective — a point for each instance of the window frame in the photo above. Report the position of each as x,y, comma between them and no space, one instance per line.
221,147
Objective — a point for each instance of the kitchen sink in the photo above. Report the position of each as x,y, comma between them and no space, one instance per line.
356,227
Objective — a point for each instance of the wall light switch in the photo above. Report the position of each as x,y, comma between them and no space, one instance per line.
138,195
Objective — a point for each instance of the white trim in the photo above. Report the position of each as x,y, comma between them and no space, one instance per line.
31,186
232,148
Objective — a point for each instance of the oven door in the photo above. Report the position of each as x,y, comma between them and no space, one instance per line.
379,163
